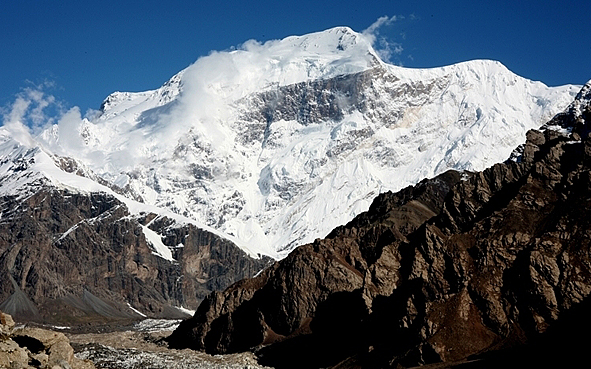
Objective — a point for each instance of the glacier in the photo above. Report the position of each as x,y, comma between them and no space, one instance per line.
275,144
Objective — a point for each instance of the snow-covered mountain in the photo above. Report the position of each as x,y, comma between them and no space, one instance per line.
275,144
27,169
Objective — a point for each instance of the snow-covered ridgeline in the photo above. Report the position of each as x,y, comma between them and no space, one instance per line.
275,144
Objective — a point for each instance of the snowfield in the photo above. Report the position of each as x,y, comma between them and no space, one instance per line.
275,144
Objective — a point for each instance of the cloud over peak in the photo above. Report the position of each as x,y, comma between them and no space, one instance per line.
381,44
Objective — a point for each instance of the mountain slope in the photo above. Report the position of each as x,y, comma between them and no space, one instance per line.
455,266
74,251
278,143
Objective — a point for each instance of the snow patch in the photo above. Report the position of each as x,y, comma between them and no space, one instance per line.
186,311
59,327
70,230
156,325
565,131
160,249
136,311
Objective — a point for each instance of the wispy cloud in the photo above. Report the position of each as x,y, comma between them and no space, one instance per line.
33,107
34,110
385,47
13,118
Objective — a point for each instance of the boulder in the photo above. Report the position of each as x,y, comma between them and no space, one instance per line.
36,348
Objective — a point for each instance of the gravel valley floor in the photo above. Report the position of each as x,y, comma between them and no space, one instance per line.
142,347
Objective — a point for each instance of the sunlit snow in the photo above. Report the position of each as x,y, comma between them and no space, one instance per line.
226,145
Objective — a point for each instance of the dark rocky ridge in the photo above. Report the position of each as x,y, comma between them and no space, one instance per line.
438,272
69,258
291,289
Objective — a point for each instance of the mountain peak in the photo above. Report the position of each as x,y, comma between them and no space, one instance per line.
337,39
277,143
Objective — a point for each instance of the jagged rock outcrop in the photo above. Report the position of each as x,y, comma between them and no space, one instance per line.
286,296
70,258
36,348
456,266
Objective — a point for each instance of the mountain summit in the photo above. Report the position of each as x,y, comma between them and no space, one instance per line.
275,144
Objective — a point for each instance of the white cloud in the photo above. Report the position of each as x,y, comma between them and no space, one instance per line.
13,121
17,111
382,45
34,110
69,130
373,29
37,114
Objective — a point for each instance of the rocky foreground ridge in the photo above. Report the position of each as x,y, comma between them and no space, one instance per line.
460,267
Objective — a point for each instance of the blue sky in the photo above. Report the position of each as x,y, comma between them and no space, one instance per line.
80,51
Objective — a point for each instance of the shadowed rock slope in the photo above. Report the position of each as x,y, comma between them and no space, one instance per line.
70,258
456,266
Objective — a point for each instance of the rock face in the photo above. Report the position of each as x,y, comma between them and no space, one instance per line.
36,348
458,265
70,258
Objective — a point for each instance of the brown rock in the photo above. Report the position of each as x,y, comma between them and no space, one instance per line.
12,355
6,325
72,259
37,348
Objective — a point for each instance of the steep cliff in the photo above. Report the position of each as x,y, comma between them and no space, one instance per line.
69,257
